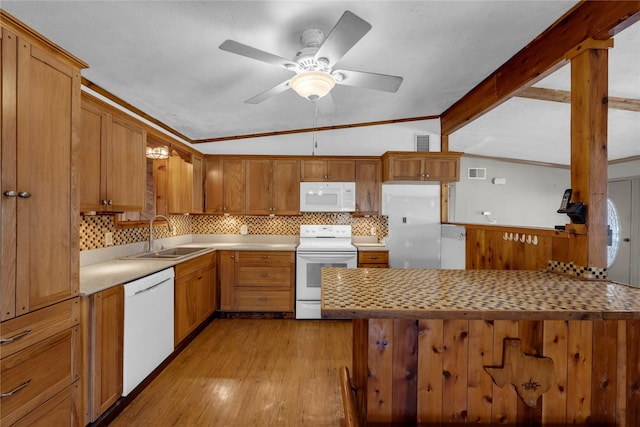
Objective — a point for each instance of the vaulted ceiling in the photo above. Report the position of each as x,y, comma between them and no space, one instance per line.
162,57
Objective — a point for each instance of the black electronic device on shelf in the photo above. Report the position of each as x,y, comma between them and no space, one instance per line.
576,211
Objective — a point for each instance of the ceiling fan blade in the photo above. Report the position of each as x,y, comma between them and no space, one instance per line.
326,105
276,90
346,33
253,53
375,81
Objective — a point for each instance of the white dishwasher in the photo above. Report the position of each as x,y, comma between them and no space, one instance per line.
148,326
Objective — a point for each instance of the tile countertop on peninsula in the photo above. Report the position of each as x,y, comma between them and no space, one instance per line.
472,294
105,269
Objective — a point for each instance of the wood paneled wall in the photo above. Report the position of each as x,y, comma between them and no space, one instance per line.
496,247
432,371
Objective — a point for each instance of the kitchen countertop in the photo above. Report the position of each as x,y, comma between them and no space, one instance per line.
98,277
472,294
370,247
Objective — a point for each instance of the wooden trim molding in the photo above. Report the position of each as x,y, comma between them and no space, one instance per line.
315,129
124,104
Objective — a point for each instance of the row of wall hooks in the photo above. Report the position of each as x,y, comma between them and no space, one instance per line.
522,238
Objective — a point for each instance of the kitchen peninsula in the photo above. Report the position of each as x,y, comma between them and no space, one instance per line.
432,346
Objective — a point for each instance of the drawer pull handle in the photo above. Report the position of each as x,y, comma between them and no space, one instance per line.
265,257
15,337
374,257
15,390
264,275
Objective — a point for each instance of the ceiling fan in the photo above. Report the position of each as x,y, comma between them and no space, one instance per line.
313,64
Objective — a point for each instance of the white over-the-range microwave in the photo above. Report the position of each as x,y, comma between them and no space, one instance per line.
327,196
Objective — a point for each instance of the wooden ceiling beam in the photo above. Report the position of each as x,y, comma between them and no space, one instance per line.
555,95
597,20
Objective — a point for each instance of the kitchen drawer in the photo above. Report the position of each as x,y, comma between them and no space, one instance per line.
61,410
373,265
255,257
46,368
256,299
373,257
33,327
263,275
194,264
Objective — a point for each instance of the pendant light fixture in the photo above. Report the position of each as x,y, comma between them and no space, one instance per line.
158,153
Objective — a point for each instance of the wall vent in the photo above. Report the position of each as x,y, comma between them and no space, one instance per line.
477,173
421,142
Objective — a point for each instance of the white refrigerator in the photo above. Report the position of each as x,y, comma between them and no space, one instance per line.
413,213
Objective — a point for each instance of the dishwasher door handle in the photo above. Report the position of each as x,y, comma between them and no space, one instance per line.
141,291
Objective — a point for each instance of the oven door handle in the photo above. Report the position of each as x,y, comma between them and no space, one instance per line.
314,255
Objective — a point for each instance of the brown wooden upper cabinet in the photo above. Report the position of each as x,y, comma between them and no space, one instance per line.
368,187
224,188
411,166
112,160
180,185
197,196
328,170
272,187
40,103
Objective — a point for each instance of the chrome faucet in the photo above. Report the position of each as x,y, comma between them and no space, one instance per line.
151,229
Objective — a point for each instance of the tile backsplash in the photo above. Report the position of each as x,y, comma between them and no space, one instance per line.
93,228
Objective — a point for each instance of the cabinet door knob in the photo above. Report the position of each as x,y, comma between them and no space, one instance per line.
110,202
24,194
104,203
10,193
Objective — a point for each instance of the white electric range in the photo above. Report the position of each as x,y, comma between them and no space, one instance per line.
320,246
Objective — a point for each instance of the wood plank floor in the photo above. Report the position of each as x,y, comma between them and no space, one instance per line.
250,372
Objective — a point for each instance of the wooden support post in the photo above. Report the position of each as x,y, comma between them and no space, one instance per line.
589,91
444,186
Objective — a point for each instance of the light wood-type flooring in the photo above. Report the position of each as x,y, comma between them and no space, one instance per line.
250,372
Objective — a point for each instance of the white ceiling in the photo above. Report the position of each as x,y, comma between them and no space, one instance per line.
163,58
540,130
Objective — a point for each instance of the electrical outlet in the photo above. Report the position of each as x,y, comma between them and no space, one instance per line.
174,232
108,239
373,231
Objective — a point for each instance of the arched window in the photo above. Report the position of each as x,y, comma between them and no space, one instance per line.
613,242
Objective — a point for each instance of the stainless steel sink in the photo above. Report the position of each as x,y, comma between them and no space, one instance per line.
168,254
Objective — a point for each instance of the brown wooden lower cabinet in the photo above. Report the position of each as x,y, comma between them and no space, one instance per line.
37,373
105,364
40,359
432,371
373,259
195,294
257,281
63,409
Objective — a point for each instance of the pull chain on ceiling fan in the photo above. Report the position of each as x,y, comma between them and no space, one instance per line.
313,64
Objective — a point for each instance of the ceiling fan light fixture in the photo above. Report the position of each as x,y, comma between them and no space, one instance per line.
312,85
